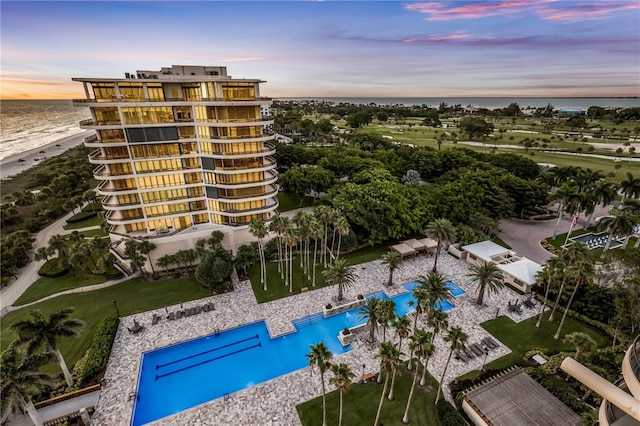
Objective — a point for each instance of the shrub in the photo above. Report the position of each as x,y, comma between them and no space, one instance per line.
329,306
81,216
53,268
448,415
100,348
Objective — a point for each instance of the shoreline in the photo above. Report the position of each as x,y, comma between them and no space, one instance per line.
10,166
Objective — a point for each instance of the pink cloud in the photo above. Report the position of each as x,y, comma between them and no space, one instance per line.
441,11
240,59
585,12
435,38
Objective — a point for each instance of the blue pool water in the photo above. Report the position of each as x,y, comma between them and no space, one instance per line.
184,375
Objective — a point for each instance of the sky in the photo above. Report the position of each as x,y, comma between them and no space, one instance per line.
511,48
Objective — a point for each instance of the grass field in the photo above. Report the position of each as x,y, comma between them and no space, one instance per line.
522,336
132,297
361,404
92,221
287,203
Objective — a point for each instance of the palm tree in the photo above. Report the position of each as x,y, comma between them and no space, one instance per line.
319,357
57,242
278,225
457,337
290,238
342,228
402,326
146,247
436,287
389,357
604,192
340,273
566,194
488,277
76,236
442,231
420,344
100,244
630,187
620,222
324,215
369,311
43,253
439,321
392,261
315,233
582,270
421,304
342,376
22,379
547,276
386,315
582,341
568,257
40,330
258,229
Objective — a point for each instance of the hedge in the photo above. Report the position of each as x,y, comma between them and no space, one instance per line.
81,216
52,269
100,348
448,415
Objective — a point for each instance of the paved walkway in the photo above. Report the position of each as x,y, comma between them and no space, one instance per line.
274,402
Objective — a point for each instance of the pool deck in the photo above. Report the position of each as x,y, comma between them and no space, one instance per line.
274,402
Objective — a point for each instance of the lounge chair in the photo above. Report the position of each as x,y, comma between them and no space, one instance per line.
490,343
171,316
156,319
476,349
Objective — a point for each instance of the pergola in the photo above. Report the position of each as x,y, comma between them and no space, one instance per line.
429,243
415,244
403,249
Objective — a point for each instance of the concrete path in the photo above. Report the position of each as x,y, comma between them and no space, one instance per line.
524,236
60,409
29,274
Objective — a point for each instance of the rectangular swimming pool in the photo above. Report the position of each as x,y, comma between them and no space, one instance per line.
187,374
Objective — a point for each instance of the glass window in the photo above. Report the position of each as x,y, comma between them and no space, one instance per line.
106,116
104,92
131,92
156,94
147,115
111,135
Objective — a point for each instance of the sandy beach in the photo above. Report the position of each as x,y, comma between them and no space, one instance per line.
11,165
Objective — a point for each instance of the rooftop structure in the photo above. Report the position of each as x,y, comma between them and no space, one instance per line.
515,399
182,149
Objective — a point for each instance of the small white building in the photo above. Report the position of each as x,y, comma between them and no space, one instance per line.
518,271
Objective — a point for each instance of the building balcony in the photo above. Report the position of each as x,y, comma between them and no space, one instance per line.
270,177
91,123
271,205
271,190
96,157
110,202
107,188
268,164
116,216
631,368
101,173
268,150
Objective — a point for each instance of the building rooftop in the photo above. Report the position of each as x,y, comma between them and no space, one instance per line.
524,269
515,399
485,250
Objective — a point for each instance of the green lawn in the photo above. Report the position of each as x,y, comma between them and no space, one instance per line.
92,221
361,404
276,288
45,286
523,336
93,233
132,297
287,203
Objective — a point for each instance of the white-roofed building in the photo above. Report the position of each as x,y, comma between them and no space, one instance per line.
517,271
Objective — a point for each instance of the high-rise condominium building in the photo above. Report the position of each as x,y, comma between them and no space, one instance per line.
181,152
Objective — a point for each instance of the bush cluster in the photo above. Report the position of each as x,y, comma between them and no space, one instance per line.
448,415
100,348
53,268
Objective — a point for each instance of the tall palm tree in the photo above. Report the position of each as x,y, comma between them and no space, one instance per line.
422,303
402,326
315,233
57,242
603,193
319,357
100,244
43,253
547,276
582,270
290,238
439,321
39,330
369,311
442,231
342,377
340,273
146,247
302,219
420,345
436,287
488,277
342,228
389,357
582,341
567,194
324,215
386,315
278,224
22,379
630,187
457,339
568,257
259,230
392,261
619,222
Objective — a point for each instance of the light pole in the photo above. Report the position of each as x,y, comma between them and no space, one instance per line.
116,306
486,353
362,380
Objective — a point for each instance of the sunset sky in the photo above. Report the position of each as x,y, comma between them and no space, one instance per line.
543,48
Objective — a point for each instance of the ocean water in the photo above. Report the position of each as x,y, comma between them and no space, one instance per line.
25,125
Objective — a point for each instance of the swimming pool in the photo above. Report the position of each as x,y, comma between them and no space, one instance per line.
187,374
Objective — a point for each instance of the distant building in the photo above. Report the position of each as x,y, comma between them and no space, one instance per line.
181,152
